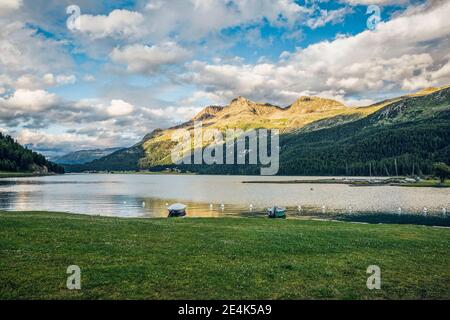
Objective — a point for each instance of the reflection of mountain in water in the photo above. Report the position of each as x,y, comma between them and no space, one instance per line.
149,195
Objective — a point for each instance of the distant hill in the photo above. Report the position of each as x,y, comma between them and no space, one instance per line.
123,159
16,158
403,135
84,156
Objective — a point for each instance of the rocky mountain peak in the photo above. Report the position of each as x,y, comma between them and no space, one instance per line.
207,113
240,102
309,104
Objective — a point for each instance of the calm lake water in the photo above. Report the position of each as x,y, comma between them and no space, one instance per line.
148,195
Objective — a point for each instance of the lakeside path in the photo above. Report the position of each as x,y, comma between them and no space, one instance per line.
220,258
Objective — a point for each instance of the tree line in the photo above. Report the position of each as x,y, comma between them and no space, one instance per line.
16,158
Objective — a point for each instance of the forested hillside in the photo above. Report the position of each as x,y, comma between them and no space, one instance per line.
403,138
16,158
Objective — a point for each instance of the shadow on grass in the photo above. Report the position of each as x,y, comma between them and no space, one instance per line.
430,220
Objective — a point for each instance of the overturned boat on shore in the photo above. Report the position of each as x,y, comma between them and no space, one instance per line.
276,212
177,210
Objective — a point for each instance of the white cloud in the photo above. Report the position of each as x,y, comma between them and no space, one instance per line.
443,73
23,50
33,82
120,24
173,113
66,79
88,78
7,6
60,143
406,53
195,19
119,108
148,59
328,16
28,100
201,98
376,2
27,81
29,60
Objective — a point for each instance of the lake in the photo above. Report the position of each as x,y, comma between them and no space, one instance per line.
148,195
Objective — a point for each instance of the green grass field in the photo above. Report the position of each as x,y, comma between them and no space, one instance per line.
218,258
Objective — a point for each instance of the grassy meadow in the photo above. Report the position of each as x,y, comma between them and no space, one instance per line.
220,258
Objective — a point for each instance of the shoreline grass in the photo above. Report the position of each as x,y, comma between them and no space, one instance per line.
359,183
15,174
4,174
426,184
221,258
401,219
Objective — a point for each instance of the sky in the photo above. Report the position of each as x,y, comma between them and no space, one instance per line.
95,74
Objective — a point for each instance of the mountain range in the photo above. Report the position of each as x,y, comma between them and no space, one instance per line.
318,136
84,156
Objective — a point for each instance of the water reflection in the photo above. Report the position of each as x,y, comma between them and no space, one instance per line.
19,181
149,195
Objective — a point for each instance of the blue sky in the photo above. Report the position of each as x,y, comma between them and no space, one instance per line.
124,68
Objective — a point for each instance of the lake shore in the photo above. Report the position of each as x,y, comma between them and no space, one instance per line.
141,172
360,182
24,174
224,258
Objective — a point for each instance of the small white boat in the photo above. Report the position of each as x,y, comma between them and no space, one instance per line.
177,210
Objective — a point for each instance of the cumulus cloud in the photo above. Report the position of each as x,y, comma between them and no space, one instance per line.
148,59
88,78
41,109
57,144
29,60
194,19
442,74
327,16
120,24
405,53
7,6
171,113
376,2
119,108
65,79
28,101
33,82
